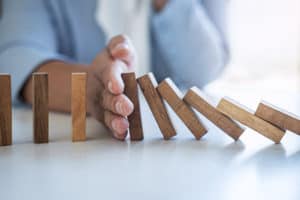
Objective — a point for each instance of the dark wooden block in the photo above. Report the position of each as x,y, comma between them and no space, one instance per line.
279,117
40,107
173,96
5,110
148,85
197,101
131,91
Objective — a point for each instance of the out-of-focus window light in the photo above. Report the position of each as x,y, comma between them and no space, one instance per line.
265,46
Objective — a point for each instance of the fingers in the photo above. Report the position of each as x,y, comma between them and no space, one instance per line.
111,77
117,124
118,104
121,47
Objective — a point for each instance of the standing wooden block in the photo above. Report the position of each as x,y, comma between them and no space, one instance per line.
131,91
78,107
246,117
196,100
173,96
278,117
148,85
40,107
5,110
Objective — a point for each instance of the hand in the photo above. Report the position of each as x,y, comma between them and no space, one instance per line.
105,99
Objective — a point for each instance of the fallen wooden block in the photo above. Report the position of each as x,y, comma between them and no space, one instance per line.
245,116
78,107
131,91
173,96
40,107
194,98
5,110
278,117
148,85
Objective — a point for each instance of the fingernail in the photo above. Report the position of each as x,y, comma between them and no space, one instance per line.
119,107
110,86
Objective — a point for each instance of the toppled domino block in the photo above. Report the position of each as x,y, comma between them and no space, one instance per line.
40,107
148,86
245,116
173,96
278,117
194,98
131,91
78,107
5,110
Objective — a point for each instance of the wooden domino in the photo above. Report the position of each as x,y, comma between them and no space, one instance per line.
40,107
194,98
148,86
78,106
5,110
173,96
279,117
245,116
131,91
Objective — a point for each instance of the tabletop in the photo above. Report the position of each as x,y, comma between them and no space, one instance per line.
214,167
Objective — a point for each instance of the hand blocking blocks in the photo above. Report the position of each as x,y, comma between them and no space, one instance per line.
268,120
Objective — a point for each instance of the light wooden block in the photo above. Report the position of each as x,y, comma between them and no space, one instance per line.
279,117
194,98
245,116
148,86
79,106
40,107
131,91
5,110
173,96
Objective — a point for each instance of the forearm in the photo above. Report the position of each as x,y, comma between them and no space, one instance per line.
59,74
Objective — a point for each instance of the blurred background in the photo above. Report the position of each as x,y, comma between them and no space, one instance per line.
265,46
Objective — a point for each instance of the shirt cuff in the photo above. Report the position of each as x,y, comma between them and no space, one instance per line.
20,62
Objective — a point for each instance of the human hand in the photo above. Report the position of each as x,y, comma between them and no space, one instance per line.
105,99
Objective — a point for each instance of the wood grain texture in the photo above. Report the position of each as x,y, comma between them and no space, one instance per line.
174,98
194,98
131,91
5,110
245,116
279,117
148,85
40,108
78,106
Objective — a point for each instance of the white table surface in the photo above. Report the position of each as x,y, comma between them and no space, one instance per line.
215,167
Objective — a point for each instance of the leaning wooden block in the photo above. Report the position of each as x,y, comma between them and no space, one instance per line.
5,110
173,96
197,101
131,91
148,85
246,117
40,107
278,117
78,107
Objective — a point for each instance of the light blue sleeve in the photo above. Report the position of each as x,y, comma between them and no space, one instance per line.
189,41
27,39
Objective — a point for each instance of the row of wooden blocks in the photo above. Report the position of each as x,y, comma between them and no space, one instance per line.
268,120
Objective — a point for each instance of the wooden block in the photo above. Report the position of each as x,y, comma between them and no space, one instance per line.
78,107
246,117
40,107
173,96
194,98
131,91
148,85
5,110
279,117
